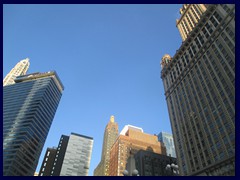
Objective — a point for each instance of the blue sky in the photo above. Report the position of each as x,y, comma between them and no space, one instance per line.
107,57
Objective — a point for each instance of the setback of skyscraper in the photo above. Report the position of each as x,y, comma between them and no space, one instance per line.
71,158
199,83
29,106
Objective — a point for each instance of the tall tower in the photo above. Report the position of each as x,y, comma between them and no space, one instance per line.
167,139
190,15
130,141
110,136
199,84
29,107
71,158
19,70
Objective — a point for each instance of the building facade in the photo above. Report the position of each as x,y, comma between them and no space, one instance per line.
199,84
72,157
19,70
131,139
29,107
190,15
48,162
152,164
167,140
110,136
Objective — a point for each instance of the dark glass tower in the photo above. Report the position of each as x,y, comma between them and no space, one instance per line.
29,107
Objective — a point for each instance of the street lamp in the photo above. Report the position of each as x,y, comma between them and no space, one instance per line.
173,168
134,173
130,166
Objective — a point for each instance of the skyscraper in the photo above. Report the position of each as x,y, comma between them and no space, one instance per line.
29,107
72,157
199,83
190,15
167,140
131,139
19,70
110,136
48,162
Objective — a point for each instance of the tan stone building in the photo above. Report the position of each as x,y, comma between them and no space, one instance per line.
199,84
110,136
190,15
19,70
134,139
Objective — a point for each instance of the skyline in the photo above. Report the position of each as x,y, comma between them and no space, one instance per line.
109,63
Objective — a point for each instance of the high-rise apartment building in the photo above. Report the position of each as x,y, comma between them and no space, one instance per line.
110,136
29,107
71,158
190,15
131,139
19,70
199,83
167,140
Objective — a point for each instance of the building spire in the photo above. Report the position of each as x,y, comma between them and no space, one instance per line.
112,119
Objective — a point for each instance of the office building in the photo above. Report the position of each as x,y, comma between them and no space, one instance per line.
19,70
152,164
110,136
72,157
167,140
48,162
29,107
199,84
131,139
190,16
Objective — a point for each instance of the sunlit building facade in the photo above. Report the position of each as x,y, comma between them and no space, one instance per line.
19,70
110,136
199,84
190,16
29,106
131,139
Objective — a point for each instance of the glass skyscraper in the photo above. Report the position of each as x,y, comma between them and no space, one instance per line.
167,140
29,107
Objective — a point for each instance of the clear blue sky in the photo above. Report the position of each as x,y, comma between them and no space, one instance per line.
108,58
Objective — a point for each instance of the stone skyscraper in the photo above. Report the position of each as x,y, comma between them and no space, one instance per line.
110,136
71,158
19,70
199,83
130,141
29,107
190,15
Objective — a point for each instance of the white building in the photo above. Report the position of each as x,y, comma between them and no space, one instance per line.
20,69
78,155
